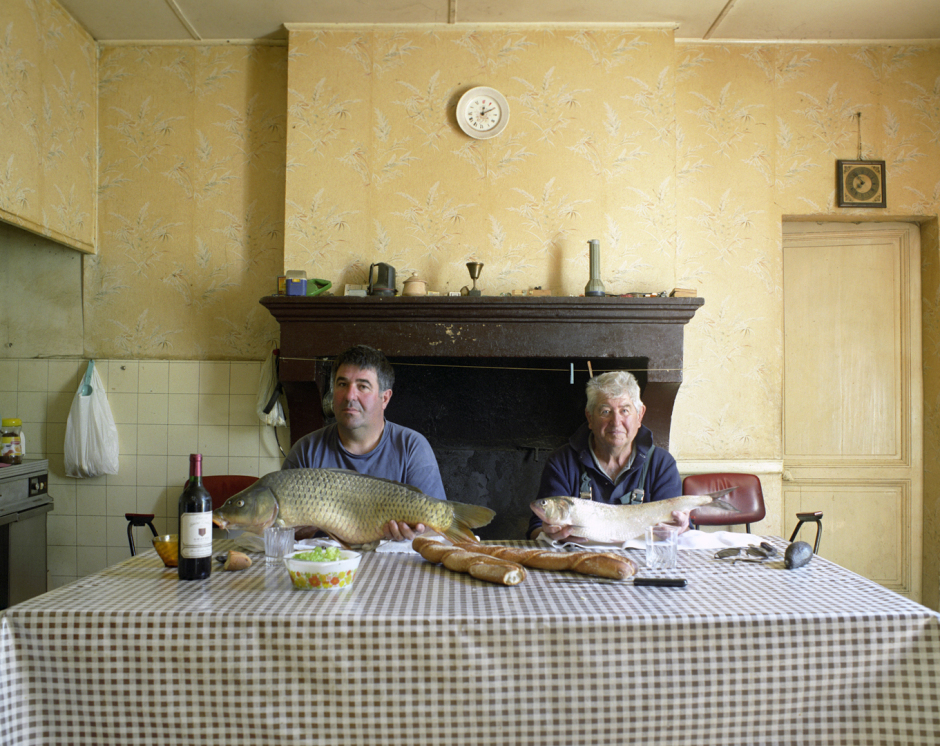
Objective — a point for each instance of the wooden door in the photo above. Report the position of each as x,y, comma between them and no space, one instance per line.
853,400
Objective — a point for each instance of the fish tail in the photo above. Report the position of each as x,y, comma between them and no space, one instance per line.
723,505
467,517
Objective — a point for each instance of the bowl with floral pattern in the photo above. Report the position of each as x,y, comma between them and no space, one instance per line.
322,568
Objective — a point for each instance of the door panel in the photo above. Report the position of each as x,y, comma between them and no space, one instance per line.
853,393
854,510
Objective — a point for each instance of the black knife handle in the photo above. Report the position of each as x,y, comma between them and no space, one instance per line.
662,582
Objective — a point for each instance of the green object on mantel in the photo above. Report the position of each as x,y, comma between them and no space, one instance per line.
316,287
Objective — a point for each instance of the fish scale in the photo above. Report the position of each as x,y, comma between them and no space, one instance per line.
351,507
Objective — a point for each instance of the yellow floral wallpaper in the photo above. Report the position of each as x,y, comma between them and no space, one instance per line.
48,165
191,202
379,171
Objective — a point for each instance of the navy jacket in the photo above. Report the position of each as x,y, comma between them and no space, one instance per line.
563,473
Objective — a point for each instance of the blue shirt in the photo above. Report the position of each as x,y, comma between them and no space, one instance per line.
402,455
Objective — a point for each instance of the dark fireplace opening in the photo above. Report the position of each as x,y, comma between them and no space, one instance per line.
493,422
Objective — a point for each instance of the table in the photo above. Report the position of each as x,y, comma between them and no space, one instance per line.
415,654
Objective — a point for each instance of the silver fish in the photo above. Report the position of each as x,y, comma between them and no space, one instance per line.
348,506
618,523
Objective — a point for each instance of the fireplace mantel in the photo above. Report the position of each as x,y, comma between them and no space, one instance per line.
313,330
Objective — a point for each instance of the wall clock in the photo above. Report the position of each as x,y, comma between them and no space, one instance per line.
482,112
860,183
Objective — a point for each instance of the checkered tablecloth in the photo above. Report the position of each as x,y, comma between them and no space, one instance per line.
415,654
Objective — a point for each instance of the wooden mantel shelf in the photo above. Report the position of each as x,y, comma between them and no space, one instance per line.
316,329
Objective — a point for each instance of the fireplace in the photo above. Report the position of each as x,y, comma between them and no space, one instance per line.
494,383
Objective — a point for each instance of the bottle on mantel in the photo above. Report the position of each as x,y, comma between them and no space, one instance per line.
195,525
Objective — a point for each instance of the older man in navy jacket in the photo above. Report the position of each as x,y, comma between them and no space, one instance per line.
611,458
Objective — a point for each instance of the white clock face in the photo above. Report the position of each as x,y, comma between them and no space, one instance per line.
482,112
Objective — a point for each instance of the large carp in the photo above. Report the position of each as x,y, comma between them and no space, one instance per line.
350,507
618,523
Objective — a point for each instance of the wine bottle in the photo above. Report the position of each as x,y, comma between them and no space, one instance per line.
195,525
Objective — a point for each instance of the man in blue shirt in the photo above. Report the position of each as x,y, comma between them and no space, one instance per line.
611,458
362,440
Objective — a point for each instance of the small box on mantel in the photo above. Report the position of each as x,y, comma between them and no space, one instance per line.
683,293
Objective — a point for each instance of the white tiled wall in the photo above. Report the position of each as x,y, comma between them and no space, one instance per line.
164,410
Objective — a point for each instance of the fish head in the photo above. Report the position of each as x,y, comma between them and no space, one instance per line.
253,509
553,510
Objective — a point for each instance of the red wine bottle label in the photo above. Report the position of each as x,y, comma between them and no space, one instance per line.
196,535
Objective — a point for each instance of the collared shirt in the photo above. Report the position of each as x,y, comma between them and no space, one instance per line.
620,474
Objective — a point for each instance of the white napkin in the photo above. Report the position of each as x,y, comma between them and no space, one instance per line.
392,547
694,539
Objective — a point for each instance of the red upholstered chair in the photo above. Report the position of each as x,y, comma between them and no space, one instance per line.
222,487
746,497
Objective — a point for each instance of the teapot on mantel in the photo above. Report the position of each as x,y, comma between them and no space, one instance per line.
414,285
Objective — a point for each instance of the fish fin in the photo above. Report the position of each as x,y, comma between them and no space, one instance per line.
467,517
723,505
342,543
370,547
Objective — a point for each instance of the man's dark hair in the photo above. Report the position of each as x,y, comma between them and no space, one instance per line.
369,358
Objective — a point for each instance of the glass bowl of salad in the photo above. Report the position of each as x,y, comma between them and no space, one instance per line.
322,568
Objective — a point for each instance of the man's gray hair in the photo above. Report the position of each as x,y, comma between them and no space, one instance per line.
613,385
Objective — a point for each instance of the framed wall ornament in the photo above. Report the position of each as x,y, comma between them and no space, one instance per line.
860,184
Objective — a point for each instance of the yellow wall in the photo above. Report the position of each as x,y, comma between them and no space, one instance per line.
48,167
191,202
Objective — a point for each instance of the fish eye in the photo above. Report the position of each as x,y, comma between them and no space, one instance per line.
239,503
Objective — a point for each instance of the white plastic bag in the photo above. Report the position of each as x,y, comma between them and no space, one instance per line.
270,410
91,437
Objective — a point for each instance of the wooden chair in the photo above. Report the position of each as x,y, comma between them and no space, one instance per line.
747,497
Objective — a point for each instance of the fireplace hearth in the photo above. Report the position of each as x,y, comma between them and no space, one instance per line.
493,383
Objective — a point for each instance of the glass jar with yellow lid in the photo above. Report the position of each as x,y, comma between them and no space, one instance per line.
11,441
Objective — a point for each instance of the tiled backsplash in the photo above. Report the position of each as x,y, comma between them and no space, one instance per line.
164,410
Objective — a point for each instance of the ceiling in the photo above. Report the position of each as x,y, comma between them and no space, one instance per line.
782,20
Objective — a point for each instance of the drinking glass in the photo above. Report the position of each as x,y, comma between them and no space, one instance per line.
662,541
278,543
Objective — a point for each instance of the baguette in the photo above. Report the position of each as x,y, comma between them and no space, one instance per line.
435,552
461,561
477,565
504,574
598,564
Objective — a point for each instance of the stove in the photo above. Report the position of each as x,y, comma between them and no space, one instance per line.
24,502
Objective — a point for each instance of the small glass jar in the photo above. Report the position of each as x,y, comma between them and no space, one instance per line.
11,441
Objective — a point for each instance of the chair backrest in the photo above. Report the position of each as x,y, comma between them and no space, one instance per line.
222,487
747,498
